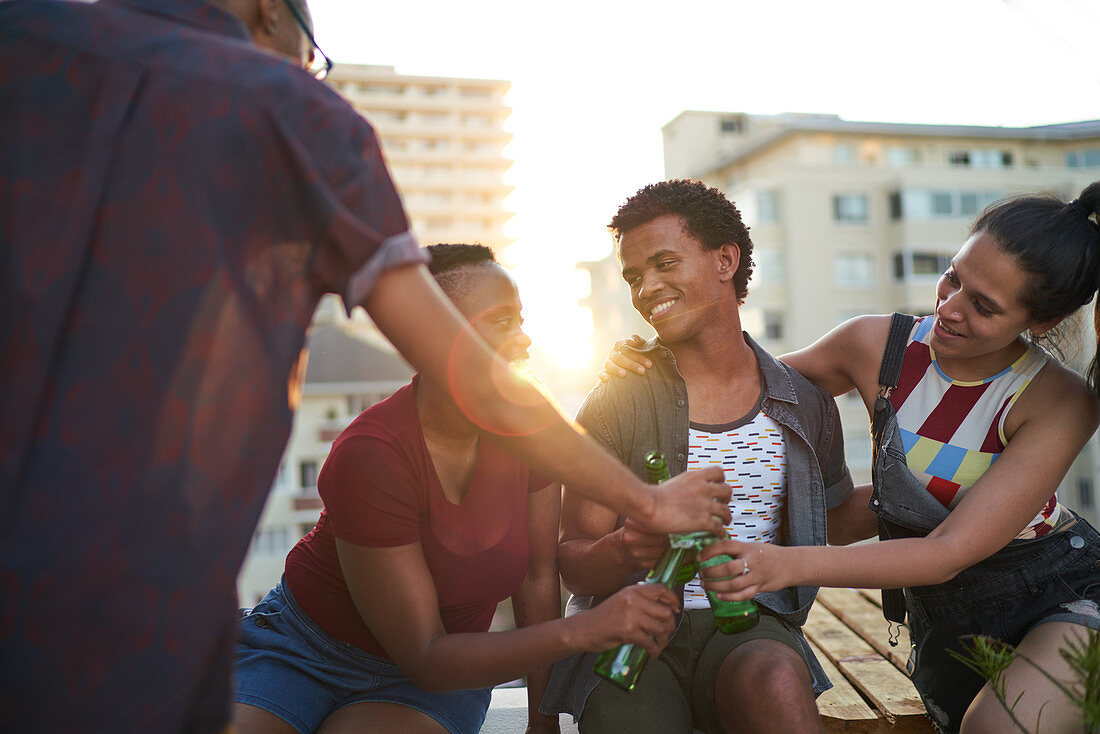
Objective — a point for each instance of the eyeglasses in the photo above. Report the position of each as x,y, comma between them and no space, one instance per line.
319,65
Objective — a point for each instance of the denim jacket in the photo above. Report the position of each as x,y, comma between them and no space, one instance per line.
636,414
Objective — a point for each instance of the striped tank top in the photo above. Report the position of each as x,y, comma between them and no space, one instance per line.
953,430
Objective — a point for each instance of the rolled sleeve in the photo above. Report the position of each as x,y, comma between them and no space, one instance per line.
394,252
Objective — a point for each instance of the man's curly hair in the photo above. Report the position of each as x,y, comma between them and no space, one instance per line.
706,213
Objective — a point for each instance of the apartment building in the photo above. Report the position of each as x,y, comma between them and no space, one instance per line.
860,217
443,139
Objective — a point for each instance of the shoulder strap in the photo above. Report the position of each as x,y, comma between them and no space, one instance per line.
893,601
900,326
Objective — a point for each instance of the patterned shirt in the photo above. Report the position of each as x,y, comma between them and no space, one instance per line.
952,430
173,203
752,455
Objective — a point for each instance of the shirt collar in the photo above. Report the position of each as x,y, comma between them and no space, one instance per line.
197,13
777,380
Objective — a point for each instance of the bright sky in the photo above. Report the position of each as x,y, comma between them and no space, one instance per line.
593,81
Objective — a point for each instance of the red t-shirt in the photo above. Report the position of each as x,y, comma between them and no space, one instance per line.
380,490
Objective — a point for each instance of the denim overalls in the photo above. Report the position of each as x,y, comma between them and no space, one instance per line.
1055,578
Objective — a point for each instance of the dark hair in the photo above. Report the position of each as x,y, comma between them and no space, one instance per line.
1058,244
706,213
448,259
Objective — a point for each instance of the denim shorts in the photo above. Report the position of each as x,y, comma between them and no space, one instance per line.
1055,578
286,665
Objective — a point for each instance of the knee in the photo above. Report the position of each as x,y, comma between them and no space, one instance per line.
764,668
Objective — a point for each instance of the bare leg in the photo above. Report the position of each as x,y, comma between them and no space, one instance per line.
252,720
379,718
763,687
1042,709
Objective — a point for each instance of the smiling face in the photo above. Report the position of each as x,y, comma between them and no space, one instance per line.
490,302
980,313
676,284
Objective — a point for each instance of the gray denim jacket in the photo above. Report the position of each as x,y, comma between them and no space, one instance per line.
637,414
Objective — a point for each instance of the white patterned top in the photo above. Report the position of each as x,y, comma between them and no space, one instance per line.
753,456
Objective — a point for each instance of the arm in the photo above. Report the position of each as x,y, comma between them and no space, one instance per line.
1058,417
428,331
596,557
852,520
847,357
394,592
538,599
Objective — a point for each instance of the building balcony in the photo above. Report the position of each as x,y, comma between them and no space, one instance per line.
308,501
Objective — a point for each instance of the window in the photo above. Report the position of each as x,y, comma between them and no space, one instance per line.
919,204
1084,493
844,153
909,265
854,270
1083,158
767,206
968,203
474,92
476,121
850,208
980,158
771,266
307,474
943,204
731,124
902,156
273,540
773,325
959,158
990,158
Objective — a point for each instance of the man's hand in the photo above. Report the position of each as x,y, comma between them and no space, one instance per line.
689,502
642,548
641,614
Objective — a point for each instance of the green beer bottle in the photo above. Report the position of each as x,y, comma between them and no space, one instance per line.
729,616
658,472
624,664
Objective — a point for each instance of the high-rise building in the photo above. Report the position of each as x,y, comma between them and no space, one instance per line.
850,218
443,139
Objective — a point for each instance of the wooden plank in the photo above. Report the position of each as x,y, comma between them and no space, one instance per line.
866,620
841,707
875,677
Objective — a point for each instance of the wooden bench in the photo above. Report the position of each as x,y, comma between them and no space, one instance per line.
870,693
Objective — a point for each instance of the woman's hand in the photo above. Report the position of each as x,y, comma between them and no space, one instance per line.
750,569
641,614
625,356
